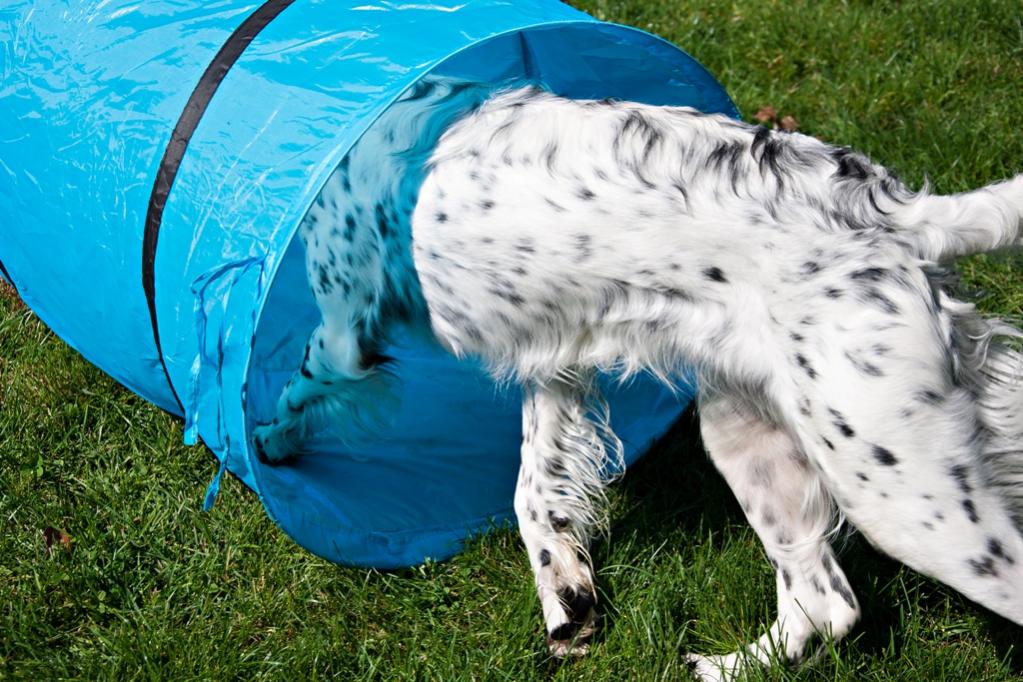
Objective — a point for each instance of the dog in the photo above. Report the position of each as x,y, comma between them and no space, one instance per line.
804,285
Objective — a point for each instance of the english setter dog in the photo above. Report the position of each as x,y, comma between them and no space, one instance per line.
804,284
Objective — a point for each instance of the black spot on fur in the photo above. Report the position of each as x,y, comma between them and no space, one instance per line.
837,584
831,446
648,134
585,194
869,274
961,473
545,557
681,189
984,567
851,165
971,510
421,89
843,591
841,424
771,148
874,296
715,274
930,397
832,292
806,366
525,246
555,205
583,246
549,155
324,279
578,603
382,225
372,358
441,217
762,134
508,295
996,549
727,156
786,578
884,456
558,523
864,367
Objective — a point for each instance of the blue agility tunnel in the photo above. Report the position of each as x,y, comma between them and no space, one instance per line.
156,159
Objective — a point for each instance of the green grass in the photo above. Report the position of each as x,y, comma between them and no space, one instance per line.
151,587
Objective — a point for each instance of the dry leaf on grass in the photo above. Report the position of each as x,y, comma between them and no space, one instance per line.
768,116
53,536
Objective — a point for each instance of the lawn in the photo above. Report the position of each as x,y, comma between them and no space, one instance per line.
110,570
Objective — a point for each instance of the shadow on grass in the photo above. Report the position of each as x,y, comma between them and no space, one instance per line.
675,490
677,486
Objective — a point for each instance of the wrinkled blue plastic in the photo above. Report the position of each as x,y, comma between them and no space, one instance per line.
89,93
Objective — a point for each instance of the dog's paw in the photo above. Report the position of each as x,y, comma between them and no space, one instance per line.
572,638
272,444
560,648
713,668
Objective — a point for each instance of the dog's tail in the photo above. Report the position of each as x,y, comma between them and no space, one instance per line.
944,227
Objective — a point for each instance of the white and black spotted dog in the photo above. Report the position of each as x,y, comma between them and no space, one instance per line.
801,281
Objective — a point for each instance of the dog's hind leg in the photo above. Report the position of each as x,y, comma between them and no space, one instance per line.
921,494
786,504
339,383
899,434
557,505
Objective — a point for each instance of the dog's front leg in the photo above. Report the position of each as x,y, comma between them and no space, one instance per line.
556,503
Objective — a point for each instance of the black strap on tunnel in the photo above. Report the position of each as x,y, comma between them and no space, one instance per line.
196,106
7,276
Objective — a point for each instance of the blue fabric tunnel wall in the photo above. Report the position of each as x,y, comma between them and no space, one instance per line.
254,104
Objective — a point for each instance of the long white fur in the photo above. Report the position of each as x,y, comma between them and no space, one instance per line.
802,282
